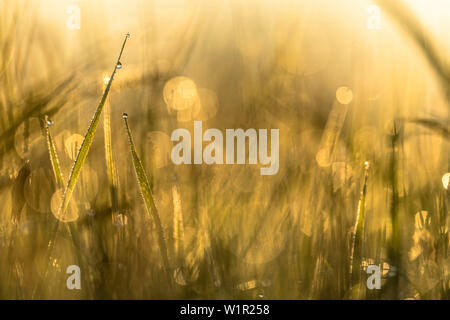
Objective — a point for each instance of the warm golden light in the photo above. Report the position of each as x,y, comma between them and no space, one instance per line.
353,92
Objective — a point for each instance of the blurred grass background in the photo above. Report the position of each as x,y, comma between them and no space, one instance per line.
340,93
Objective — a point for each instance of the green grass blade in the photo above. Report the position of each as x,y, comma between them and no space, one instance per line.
87,142
148,197
356,258
78,165
52,153
110,164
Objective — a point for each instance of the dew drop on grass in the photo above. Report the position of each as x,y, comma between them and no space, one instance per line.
119,65
124,115
49,122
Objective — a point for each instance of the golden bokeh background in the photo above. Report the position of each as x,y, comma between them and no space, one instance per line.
341,83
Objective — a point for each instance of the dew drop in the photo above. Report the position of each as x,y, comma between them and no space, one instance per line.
49,122
125,115
106,80
119,65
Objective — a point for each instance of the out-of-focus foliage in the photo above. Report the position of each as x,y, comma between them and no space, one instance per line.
340,93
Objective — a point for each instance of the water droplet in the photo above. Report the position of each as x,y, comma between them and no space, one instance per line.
119,65
106,80
128,35
125,115
49,122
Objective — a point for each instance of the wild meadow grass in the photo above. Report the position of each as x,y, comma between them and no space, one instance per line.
149,201
364,153
87,141
356,247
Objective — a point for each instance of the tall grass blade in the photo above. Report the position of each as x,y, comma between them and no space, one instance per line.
148,198
52,153
78,165
46,123
356,249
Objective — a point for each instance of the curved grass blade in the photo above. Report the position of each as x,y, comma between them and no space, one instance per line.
355,258
34,106
78,165
148,198
87,142
410,23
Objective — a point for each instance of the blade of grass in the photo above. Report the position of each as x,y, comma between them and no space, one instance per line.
87,142
148,198
52,153
79,161
355,257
